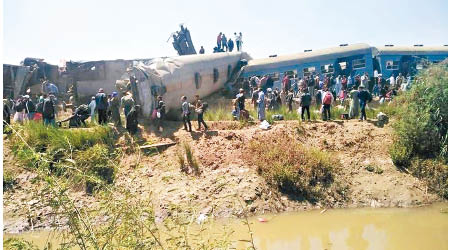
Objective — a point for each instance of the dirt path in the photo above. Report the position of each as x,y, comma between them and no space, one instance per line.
226,178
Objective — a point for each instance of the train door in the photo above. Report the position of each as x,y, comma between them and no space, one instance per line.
405,65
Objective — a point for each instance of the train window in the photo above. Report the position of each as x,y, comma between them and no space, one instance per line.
359,63
198,80
327,68
308,71
215,75
275,76
392,65
343,65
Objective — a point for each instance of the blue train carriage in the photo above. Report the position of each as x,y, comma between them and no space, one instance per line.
343,60
407,59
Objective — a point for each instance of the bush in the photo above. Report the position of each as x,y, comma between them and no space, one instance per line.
421,126
291,167
434,173
19,244
9,180
82,154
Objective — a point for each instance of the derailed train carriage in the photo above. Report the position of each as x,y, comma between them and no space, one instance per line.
188,75
348,60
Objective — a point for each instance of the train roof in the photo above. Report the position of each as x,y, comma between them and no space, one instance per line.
305,57
412,50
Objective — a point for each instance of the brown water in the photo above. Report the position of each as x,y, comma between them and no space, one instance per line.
367,228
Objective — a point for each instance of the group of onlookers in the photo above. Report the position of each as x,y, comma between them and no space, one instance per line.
324,90
45,109
227,45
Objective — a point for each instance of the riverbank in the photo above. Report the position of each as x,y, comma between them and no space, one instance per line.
225,179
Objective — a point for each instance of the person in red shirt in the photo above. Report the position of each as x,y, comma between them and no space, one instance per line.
286,83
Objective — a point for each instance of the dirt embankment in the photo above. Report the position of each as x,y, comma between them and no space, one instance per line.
361,148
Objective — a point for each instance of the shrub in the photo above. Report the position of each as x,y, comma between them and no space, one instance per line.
434,173
82,154
421,127
9,180
19,244
291,167
187,160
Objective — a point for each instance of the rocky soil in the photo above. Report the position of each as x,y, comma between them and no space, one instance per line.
226,180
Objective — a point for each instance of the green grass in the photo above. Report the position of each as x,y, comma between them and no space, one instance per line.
84,155
9,180
293,168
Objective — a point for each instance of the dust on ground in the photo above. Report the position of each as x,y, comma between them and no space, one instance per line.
226,180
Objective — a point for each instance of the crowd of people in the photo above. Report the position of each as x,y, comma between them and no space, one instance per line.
324,91
45,108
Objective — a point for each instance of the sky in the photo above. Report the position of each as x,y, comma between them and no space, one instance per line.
108,29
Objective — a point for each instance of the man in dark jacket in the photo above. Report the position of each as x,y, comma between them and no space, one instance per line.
230,45
132,120
115,109
305,101
101,102
79,117
48,111
364,96
6,114
30,108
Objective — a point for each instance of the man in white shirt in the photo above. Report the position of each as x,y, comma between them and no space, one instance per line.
392,81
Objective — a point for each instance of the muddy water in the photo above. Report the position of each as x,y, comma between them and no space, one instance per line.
372,229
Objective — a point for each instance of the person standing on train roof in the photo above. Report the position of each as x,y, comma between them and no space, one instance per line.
239,38
224,43
219,41
230,45
202,50
261,105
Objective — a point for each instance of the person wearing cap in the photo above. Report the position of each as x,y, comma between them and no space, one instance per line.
240,102
101,102
115,109
127,102
132,120
261,105
364,96
92,106
199,109
30,108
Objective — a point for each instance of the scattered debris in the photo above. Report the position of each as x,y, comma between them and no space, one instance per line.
264,125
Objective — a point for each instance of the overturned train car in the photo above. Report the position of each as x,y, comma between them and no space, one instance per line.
174,77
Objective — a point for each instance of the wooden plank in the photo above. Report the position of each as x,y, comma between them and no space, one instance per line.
158,145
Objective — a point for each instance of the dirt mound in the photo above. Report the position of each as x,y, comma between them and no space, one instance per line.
225,177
